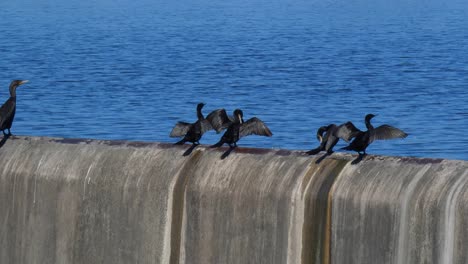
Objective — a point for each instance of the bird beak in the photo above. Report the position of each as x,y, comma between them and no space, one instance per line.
23,82
319,138
240,118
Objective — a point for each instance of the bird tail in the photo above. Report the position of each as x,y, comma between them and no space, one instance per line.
217,145
314,151
181,142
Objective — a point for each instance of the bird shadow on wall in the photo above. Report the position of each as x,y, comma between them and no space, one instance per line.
189,150
225,154
355,161
322,158
4,139
358,159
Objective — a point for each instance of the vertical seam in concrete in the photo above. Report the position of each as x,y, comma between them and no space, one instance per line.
305,195
35,179
328,227
403,232
297,214
14,192
320,232
327,238
178,199
449,221
328,223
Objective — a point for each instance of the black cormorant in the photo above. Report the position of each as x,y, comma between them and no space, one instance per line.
236,127
333,133
191,132
364,138
8,109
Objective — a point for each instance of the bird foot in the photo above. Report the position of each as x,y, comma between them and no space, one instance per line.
359,158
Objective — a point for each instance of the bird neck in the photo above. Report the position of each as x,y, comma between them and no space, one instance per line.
13,91
369,125
238,119
199,114
321,130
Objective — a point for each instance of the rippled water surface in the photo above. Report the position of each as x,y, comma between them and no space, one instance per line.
130,69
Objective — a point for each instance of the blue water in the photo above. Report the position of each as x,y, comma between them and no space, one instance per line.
124,69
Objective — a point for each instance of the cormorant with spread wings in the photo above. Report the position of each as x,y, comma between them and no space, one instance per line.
333,133
236,127
191,132
364,138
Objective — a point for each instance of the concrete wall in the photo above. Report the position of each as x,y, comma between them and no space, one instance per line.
82,201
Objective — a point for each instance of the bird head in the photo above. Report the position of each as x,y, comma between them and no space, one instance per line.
370,116
17,83
238,114
200,106
14,84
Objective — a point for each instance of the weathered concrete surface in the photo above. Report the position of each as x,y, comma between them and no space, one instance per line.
84,201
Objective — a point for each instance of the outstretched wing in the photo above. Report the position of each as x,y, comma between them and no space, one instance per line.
347,131
205,126
180,129
386,132
254,126
219,120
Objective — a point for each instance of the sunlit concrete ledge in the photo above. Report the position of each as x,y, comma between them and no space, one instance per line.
94,201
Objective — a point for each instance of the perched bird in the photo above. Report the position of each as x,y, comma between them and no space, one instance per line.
236,127
8,109
191,132
364,138
333,133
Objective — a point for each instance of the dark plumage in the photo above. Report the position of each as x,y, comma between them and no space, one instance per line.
364,138
333,133
236,127
191,132
8,109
